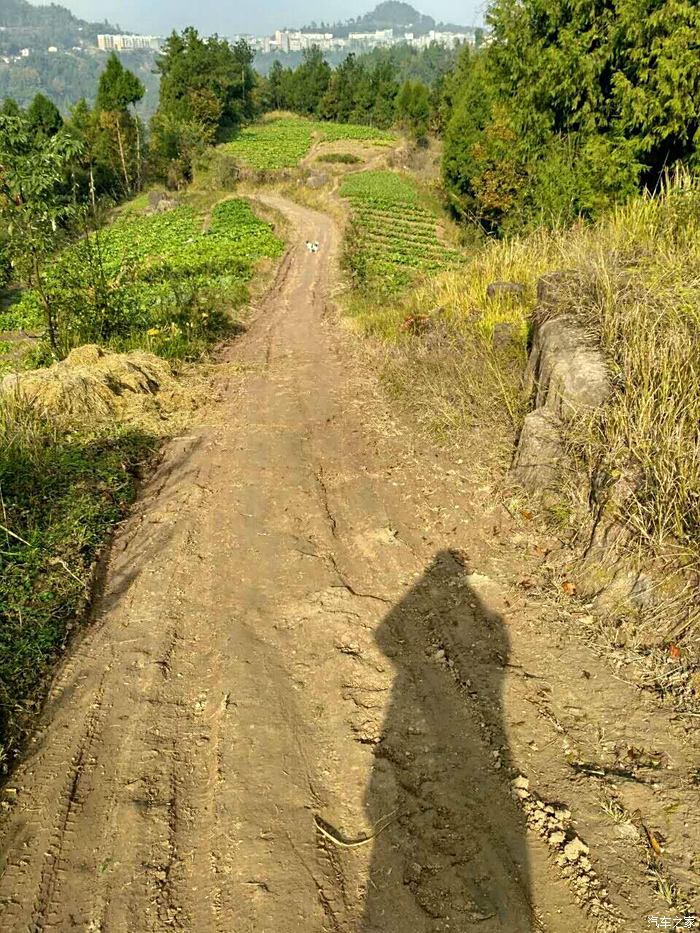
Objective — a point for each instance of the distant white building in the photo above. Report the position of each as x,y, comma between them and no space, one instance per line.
294,40
110,43
24,53
447,39
52,48
370,40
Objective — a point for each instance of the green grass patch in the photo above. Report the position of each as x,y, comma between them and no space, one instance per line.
19,313
61,495
17,356
283,142
339,158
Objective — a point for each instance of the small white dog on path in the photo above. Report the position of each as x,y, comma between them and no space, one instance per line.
312,247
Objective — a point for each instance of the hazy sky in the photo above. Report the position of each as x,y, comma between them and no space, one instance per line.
260,16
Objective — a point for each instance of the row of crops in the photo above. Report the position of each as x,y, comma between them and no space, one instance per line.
174,244
394,231
284,142
166,281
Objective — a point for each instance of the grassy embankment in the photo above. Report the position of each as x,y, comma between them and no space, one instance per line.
399,244
637,290
180,279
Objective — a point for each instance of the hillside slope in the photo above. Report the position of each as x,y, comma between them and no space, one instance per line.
23,24
66,77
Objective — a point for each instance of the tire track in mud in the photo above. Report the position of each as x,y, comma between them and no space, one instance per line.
98,777
82,767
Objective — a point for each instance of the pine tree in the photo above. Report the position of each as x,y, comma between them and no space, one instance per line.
118,90
44,117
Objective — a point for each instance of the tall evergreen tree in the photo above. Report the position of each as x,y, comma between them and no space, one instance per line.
206,81
311,80
578,105
43,116
207,87
121,140
413,108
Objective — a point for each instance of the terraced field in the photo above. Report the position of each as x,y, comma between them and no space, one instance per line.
284,142
394,234
175,277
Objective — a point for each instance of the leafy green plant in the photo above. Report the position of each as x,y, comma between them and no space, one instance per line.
158,281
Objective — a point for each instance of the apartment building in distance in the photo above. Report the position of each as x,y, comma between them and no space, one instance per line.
118,43
295,40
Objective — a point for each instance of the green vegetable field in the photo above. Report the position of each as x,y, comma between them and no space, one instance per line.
165,281
284,142
394,234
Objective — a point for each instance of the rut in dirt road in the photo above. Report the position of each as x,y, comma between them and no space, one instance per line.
266,660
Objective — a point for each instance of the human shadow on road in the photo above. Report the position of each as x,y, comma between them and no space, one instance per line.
453,855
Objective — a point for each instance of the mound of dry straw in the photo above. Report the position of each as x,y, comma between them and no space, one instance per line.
95,384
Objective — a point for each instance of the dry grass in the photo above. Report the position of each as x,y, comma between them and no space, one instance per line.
636,287
92,384
447,379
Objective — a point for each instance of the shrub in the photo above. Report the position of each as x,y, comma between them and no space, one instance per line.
342,158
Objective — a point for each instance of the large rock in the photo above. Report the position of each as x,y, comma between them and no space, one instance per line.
540,451
566,377
317,180
567,374
159,202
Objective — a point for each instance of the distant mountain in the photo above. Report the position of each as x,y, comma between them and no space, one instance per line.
391,14
38,27
65,77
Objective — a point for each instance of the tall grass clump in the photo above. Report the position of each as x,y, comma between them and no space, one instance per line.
640,294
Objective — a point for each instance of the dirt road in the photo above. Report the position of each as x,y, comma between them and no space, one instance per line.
292,653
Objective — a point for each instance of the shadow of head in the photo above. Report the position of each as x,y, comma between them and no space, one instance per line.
453,855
